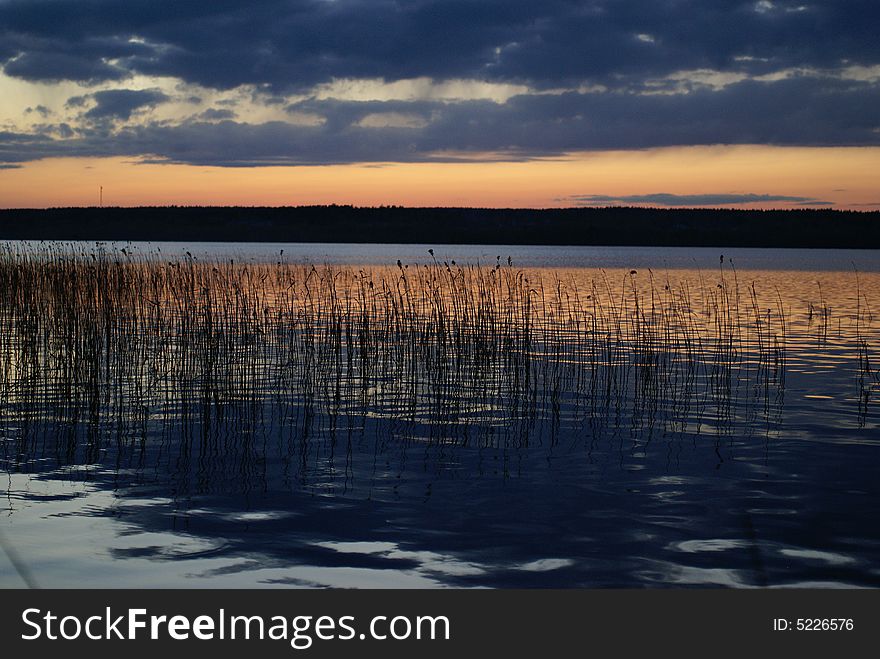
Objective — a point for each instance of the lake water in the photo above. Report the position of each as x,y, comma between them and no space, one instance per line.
573,459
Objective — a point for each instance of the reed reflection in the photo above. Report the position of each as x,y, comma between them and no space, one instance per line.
139,361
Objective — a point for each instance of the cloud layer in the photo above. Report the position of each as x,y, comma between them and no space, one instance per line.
326,81
294,44
693,200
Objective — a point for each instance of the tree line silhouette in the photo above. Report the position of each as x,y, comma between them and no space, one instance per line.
398,224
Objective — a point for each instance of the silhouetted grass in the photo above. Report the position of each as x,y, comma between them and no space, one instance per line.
123,347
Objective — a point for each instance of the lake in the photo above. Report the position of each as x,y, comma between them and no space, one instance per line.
316,415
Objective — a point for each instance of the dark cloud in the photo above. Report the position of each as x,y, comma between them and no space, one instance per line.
666,199
213,114
122,103
16,148
41,110
292,44
60,66
76,101
274,143
800,111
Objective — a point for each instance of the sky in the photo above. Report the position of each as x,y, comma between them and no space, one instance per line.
501,103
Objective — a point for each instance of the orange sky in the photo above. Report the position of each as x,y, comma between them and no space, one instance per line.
848,177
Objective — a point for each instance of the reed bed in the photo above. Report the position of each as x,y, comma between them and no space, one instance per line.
105,347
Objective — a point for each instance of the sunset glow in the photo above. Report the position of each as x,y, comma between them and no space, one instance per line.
819,177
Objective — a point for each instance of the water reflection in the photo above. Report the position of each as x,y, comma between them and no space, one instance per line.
240,424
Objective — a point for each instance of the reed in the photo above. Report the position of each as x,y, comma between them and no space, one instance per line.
106,346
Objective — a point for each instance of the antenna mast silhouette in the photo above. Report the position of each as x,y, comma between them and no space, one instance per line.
100,196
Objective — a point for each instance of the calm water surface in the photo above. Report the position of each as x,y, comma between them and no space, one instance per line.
760,475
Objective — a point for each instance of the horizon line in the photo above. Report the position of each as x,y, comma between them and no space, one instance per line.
728,208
